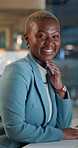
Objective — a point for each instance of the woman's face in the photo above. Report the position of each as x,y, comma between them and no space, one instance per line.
44,40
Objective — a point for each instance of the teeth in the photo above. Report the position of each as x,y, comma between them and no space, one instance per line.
48,50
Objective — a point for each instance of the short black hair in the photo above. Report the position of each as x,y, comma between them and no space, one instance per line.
36,16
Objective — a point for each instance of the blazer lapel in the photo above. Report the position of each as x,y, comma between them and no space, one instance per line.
54,107
43,97
40,87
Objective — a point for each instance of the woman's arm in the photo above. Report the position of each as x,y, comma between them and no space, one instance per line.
64,111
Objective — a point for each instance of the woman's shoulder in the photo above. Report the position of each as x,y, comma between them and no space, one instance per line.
18,69
20,65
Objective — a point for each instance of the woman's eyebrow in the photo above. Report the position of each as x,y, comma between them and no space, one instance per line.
46,31
41,31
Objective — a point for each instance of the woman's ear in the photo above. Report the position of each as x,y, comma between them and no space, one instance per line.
27,41
26,37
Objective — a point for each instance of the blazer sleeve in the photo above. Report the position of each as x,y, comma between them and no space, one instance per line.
13,93
64,111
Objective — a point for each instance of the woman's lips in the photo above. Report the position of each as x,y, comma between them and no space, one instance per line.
48,51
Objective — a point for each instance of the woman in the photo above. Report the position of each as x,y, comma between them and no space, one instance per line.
35,105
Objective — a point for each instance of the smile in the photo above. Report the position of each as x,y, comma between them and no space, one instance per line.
48,51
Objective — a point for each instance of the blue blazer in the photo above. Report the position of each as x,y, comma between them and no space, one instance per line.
25,108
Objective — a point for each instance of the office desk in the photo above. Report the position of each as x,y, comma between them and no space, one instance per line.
58,144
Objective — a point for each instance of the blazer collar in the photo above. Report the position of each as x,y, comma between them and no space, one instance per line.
33,64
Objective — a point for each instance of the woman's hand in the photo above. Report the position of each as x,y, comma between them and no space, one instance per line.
56,78
70,134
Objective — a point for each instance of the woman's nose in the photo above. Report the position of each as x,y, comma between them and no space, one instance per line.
49,42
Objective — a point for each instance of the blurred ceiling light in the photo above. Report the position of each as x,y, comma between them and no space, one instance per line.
19,39
70,47
8,61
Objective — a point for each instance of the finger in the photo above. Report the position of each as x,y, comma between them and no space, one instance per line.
49,71
75,132
75,137
51,63
54,67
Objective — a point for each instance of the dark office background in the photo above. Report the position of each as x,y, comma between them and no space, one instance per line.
67,13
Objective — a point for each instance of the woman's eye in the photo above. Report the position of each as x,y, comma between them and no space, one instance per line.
41,36
55,36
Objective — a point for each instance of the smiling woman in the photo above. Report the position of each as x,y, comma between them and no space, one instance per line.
35,107
44,40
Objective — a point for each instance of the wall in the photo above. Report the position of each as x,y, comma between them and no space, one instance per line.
22,4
